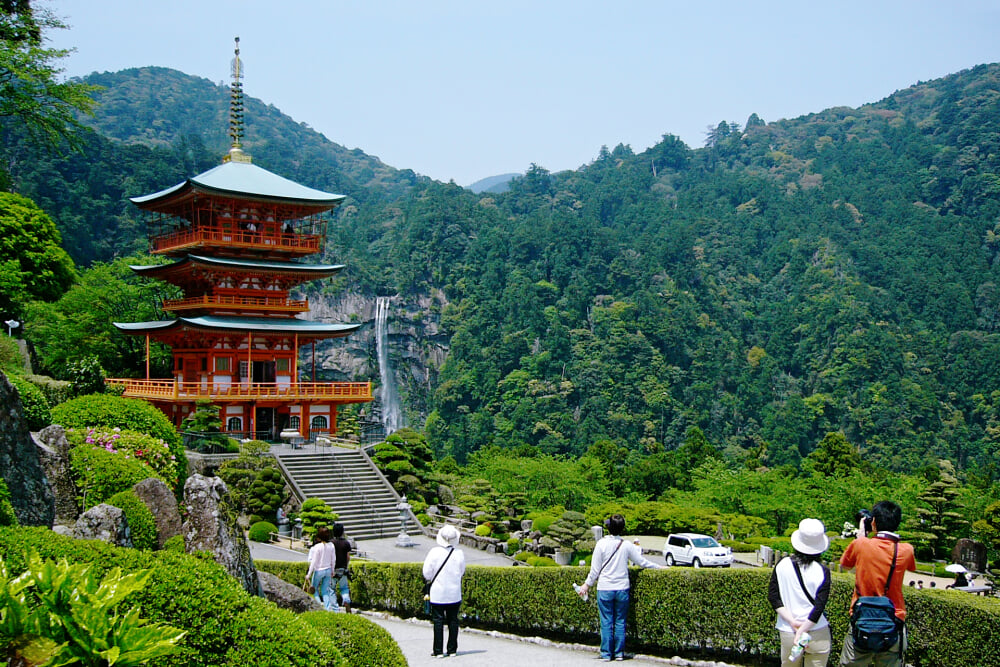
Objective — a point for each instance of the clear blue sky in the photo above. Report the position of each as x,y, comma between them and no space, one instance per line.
465,89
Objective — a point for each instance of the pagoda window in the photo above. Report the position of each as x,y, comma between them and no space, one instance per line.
293,423
318,423
204,364
282,365
222,363
234,424
244,366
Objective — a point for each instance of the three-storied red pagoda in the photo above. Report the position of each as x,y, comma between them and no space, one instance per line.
237,234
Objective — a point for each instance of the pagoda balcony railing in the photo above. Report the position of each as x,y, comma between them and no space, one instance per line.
186,239
178,390
249,302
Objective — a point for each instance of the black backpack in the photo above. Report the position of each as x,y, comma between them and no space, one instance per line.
874,625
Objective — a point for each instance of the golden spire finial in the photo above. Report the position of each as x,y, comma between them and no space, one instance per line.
236,153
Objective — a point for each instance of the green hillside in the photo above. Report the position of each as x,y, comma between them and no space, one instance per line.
832,272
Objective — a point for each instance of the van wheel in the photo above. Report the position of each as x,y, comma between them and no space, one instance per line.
696,563
670,560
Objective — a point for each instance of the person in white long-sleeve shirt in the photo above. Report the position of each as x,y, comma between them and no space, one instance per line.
609,570
322,557
447,562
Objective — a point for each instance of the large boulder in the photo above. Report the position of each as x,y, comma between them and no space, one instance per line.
53,452
286,595
106,523
157,496
30,493
211,526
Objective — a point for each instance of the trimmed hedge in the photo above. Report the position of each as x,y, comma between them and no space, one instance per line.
141,523
722,613
225,625
34,404
362,642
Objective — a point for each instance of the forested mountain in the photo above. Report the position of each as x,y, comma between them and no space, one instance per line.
834,272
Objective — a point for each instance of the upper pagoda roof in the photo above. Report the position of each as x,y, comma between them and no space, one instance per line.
312,270
243,181
242,324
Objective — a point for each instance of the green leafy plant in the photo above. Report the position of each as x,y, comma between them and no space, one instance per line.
77,621
100,474
85,376
7,515
154,452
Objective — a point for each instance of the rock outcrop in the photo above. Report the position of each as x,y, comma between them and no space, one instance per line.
30,493
53,450
211,526
106,523
286,595
157,496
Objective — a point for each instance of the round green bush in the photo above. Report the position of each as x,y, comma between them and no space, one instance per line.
141,522
125,413
362,642
34,405
483,530
522,556
100,474
261,531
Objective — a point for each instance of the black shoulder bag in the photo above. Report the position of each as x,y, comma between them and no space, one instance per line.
874,626
427,586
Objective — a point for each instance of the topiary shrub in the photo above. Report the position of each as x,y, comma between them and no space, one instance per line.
483,530
226,626
141,523
261,531
541,561
100,474
315,513
361,642
34,405
130,414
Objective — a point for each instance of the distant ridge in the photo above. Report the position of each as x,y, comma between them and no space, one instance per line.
495,184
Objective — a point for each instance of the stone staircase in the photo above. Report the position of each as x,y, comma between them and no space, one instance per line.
349,483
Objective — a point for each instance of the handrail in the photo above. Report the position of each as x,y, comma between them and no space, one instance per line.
399,498
216,300
181,390
364,498
188,238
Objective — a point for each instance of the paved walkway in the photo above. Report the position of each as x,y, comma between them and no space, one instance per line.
478,648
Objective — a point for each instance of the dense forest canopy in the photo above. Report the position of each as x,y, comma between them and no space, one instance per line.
831,273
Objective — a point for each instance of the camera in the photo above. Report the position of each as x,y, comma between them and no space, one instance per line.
867,514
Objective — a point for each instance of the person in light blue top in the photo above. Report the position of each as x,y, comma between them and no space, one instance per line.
609,570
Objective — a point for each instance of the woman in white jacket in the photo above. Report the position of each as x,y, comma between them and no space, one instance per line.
445,566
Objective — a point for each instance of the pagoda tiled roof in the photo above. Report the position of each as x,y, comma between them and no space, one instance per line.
312,270
244,181
243,324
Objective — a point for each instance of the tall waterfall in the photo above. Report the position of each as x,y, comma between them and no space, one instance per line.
392,413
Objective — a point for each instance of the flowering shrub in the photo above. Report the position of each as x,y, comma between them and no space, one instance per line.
154,452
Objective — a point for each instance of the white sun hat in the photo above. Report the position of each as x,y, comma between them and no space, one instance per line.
448,536
811,537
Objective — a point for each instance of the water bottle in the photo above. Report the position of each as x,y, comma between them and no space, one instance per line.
799,647
577,588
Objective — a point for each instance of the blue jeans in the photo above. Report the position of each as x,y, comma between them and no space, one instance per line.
342,585
321,579
613,607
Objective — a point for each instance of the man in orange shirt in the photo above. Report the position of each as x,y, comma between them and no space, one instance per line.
873,559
